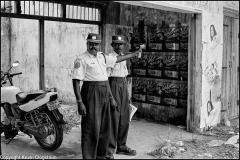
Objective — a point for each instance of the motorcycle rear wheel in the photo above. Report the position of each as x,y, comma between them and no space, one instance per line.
58,135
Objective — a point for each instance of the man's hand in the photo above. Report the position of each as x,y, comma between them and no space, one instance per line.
142,46
81,109
113,103
139,54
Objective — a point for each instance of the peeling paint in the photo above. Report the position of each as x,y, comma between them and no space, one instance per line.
212,53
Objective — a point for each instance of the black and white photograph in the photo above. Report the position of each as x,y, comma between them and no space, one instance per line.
119,79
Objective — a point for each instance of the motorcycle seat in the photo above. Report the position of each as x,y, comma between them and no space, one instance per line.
24,97
21,97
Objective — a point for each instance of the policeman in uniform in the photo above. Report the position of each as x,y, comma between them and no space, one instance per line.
119,119
94,98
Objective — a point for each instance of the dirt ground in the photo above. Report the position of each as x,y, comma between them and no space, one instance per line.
144,136
148,137
199,148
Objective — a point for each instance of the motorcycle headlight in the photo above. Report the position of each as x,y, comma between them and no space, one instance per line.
53,89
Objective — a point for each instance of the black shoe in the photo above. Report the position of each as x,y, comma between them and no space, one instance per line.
127,151
109,157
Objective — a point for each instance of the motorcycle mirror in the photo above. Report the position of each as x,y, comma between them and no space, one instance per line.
15,64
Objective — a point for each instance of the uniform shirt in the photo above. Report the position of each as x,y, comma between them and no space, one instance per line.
119,69
88,67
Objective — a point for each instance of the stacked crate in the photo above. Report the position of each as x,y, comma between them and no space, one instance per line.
159,86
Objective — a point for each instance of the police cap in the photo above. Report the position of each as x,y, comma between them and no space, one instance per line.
118,39
95,38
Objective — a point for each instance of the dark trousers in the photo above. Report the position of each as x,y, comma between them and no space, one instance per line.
119,119
96,124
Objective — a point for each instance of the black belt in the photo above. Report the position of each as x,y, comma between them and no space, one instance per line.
118,79
95,83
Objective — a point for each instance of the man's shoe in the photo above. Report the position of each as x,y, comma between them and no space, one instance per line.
127,151
109,157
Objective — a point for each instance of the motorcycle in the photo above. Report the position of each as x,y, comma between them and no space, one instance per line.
35,114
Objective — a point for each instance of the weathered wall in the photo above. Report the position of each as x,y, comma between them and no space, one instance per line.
25,49
63,42
212,53
211,66
21,43
5,43
231,4
209,6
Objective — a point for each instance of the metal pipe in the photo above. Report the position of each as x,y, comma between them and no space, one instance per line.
53,4
84,12
58,19
41,55
95,10
88,13
48,8
92,13
24,6
80,12
34,8
77,13
72,10
29,6
68,11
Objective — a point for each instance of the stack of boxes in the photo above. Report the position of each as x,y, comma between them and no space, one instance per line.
160,76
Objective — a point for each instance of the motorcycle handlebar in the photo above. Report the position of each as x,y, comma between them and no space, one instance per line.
14,74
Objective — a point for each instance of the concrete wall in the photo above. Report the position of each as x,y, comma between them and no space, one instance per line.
5,43
212,54
19,41
63,42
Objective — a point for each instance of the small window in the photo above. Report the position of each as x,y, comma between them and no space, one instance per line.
50,9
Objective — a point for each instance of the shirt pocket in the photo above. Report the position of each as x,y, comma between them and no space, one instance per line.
93,68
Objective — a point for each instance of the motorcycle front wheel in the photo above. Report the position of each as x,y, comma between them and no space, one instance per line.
55,137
